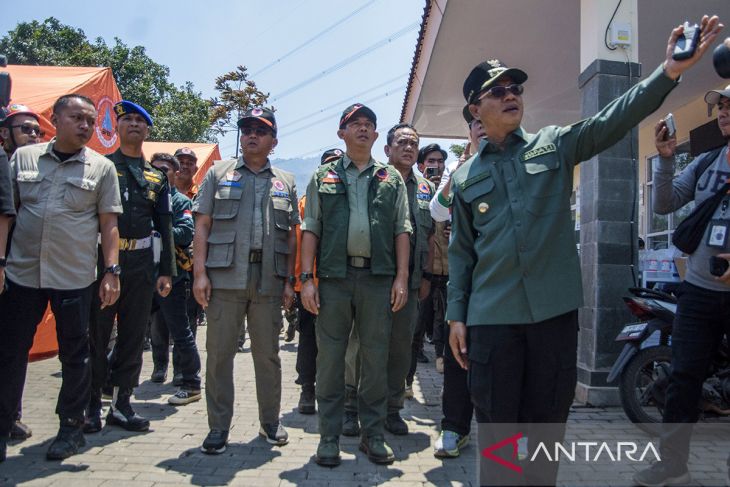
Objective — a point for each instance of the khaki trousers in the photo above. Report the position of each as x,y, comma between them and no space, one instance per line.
226,311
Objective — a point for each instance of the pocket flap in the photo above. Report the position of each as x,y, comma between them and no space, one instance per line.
83,183
477,189
281,246
281,203
29,176
541,164
222,238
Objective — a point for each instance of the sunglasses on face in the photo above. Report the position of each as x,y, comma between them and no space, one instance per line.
500,91
259,131
30,129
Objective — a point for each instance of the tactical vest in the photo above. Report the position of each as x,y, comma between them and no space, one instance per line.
229,242
422,215
382,192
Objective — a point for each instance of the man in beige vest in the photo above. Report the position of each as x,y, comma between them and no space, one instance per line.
245,247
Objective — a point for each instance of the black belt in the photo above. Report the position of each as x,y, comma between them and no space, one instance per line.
437,278
254,256
359,262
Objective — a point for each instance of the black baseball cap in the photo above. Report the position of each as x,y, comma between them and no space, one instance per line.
485,74
262,115
360,110
330,155
428,149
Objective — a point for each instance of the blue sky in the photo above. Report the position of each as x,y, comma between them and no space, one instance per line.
366,57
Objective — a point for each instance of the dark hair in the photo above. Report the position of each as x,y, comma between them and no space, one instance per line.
395,128
165,157
63,101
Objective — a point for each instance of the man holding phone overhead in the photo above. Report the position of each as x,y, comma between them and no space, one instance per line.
514,273
703,308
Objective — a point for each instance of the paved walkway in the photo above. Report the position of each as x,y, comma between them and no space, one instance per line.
169,453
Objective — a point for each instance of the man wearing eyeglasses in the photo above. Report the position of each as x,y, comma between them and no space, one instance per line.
19,126
514,276
245,246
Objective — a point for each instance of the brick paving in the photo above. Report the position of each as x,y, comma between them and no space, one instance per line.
169,453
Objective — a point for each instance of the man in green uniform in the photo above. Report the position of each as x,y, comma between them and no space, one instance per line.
402,152
146,201
245,246
356,221
514,274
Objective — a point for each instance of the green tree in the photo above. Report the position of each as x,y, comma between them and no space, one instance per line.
236,94
457,149
180,113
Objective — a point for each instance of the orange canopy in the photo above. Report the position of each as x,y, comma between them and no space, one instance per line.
38,87
206,153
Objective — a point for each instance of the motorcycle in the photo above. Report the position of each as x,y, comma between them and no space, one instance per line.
643,366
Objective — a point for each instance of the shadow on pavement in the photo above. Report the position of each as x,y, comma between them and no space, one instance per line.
221,469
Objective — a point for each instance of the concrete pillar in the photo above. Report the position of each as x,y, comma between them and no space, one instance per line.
608,206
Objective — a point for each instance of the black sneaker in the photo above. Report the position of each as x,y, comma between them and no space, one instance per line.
306,401
20,431
215,442
69,440
127,419
395,424
274,433
660,474
184,396
350,425
159,375
92,423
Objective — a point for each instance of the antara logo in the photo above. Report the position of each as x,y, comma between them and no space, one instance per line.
583,451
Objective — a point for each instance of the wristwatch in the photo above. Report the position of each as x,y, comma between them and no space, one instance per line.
305,276
292,280
3,262
115,269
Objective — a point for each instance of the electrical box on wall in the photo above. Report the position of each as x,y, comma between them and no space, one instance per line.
620,34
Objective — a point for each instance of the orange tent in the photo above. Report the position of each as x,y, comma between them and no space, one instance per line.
39,87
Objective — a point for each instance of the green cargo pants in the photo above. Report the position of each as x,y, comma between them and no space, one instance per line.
363,301
226,311
399,357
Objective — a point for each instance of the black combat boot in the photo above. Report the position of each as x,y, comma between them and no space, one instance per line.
69,440
122,414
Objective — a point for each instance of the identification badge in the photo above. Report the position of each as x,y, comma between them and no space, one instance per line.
717,236
233,176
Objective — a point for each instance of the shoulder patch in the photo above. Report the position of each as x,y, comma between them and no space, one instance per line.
538,151
382,174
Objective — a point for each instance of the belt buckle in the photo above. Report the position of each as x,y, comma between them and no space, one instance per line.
358,262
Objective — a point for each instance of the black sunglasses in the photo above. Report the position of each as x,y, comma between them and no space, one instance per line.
260,131
500,91
29,129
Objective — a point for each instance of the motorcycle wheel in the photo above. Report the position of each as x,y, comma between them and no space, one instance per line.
643,387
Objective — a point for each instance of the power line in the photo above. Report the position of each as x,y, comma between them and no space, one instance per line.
275,22
339,103
329,117
315,37
347,61
319,151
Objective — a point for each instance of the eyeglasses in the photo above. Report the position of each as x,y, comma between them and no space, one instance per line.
29,129
500,91
259,131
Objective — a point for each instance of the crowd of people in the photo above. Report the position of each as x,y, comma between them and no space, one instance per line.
480,254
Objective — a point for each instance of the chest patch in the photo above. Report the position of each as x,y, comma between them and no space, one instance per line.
233,176
231,184
278,185
424,192
538,151
332,177
152,177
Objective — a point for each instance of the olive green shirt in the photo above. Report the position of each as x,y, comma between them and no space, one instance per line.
512,255
55,240
358,231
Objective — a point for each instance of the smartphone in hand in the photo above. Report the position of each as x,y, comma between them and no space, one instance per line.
718,266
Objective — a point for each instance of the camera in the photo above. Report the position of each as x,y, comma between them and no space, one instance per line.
431,172
671,127
687,42
5,83
718,266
